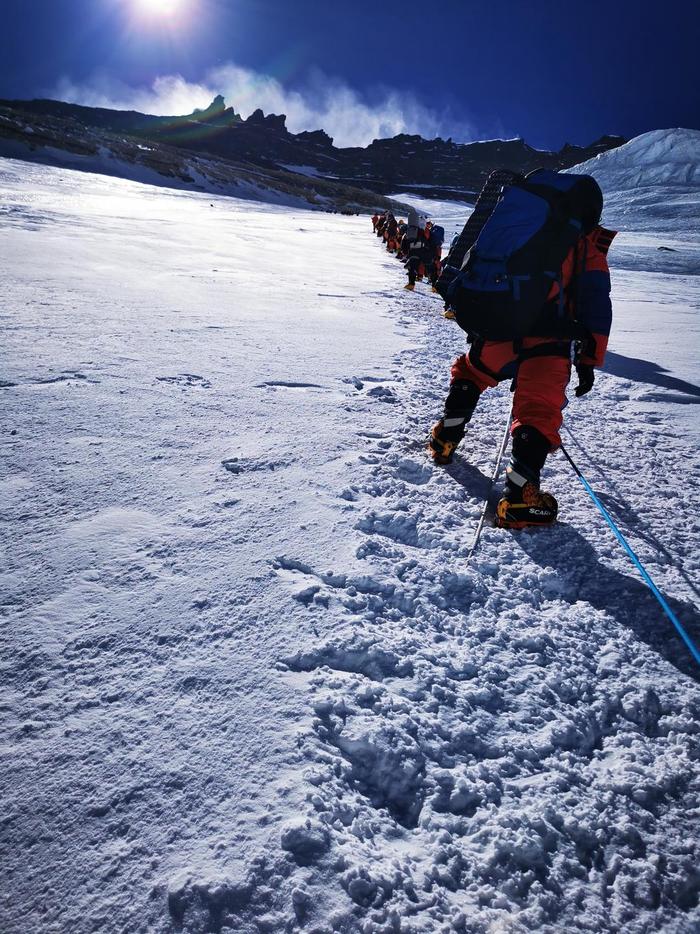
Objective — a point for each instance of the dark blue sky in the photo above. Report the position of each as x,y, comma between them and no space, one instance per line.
549,71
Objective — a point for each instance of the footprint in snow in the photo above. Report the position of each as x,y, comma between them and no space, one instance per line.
238,465
305,583
287,384
364,656
383,394
186,381
67,376
399,527
415,472
359,381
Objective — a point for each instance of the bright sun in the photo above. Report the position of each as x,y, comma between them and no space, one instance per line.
160,7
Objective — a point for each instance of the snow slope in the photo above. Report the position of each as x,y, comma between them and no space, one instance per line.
67,143
660,157
249,681
652,194
106,162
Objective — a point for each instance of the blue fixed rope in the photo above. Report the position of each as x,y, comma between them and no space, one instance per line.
694,651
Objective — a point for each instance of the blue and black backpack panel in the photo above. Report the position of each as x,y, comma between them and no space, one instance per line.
437,234
508,273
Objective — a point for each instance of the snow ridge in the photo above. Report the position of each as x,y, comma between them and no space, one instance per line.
660,157
652,189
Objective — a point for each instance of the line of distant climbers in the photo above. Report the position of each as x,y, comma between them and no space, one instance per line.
416,241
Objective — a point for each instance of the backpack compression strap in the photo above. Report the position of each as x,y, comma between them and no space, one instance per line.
485,203
483,208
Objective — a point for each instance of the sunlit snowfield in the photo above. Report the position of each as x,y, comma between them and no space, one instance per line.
249,681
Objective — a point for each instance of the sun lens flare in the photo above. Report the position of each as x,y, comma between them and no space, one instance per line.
164,9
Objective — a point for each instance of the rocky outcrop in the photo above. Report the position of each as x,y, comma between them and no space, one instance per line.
405,162
217,112
70,143
275,122
318,138
449,169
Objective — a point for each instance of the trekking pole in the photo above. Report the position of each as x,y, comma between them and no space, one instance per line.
694,651
494,477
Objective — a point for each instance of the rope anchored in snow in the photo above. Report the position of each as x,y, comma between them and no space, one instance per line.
694,651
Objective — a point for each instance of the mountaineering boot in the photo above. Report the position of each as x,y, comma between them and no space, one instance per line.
449,314
446,434
410,286
523,503
443,441
527,505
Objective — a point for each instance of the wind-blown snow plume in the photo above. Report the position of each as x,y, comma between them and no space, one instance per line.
323,102
167,95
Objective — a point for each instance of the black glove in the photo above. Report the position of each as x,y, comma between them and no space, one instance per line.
586,378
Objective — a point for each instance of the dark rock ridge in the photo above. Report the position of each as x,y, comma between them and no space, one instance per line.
62,140
217,112
404,163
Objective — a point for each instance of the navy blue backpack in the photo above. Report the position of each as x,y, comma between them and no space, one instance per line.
507,275
437,234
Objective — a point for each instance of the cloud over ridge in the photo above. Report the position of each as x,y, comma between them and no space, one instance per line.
323,102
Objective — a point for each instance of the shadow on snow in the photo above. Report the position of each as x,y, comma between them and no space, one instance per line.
627,516
644,371
627,599
586,577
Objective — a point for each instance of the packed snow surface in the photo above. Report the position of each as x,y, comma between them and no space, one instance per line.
250,682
